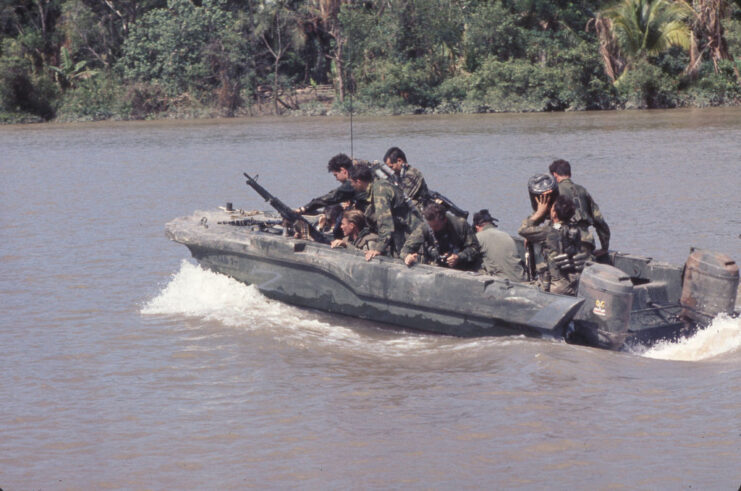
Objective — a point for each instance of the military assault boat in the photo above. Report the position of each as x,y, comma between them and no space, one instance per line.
627,299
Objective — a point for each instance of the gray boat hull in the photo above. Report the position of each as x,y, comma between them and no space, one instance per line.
424,298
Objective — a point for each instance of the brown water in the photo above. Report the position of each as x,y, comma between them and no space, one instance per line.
124,365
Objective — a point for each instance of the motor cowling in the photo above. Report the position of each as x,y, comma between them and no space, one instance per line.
541,184
709,285
604,317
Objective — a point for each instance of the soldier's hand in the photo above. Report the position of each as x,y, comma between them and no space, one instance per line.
337,243
542,202
300,210
371,254
452,260
411,259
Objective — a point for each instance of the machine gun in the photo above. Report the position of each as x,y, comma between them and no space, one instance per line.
383,171
286,212
452,208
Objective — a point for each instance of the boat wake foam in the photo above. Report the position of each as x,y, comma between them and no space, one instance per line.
198,293
721,337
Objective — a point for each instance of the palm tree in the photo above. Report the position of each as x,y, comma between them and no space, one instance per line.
707,32
635,29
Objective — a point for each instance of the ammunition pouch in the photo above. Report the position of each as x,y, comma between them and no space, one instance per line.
570,263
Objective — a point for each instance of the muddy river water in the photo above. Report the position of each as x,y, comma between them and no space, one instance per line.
125,365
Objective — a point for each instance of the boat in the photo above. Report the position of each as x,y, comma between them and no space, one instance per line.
622,301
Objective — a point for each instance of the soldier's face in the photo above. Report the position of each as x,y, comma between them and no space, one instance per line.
395,166
341,175
358,185
347,228
436,224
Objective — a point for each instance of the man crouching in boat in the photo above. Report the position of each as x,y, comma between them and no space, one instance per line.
386,211
559,239
339,166
445,239
356,231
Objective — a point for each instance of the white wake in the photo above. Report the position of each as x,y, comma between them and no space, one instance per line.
198,293
722,336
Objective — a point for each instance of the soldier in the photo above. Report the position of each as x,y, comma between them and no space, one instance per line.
339,166
386,211
559,239
409,179
586,210
499,254
446,240
357,233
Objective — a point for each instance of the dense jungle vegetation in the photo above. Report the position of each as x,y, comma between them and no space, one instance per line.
70,60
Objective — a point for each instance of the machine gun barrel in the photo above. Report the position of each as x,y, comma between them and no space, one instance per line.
285,211
452,208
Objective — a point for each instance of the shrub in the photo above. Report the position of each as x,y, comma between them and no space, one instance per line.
646,86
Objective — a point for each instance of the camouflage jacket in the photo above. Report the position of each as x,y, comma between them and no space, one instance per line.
586,213
344,192
457,237
389,215
550,237
411,181
365,241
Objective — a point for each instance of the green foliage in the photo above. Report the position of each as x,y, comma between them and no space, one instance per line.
92,99
492,30
187,48
645,86
715,89
648,27
185,58
24,92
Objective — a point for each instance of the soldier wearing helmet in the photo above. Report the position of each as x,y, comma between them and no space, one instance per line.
586,211
551,229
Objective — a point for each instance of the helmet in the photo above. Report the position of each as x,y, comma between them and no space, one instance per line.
541,184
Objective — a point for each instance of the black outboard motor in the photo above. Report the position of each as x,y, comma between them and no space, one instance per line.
709,285
604,317
541,184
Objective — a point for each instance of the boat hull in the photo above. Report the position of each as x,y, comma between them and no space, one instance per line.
424,298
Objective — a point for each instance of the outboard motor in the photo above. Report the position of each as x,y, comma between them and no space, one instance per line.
709,285
541,184
604,317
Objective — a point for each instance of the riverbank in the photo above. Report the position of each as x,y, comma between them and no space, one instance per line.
317,102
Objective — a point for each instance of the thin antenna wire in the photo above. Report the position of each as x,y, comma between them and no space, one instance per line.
352,155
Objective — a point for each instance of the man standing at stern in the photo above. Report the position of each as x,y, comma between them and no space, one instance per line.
586,211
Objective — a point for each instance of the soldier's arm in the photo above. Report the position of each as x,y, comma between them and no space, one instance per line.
416,186
345,192
471,249
600,225
413,242
531,231
384,218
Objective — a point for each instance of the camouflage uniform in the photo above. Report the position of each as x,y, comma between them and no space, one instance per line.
344,192
389,215
411,181
365,241
551,239
586,213
457,237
